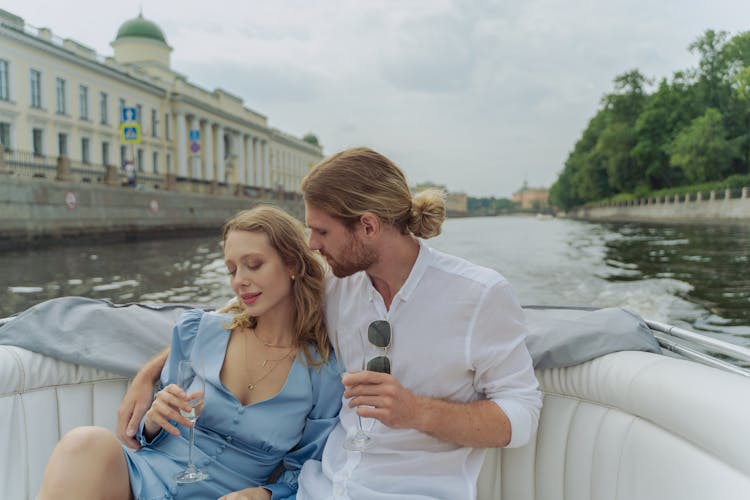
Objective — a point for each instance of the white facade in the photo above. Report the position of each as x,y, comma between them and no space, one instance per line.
59,98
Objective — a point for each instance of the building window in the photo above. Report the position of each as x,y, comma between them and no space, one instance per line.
139,112
154,123
169,163
122,106
37,142
36,89
83,103
5,135
4,88
105,153
123,155
60,94
156,162
103,108
62,144
85,150
167,128
139,160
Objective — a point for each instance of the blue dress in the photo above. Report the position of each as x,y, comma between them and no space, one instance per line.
238,446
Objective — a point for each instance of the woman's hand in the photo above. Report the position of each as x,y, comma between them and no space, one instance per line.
165,407
248,494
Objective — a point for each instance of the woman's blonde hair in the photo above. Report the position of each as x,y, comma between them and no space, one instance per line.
359,180
287,236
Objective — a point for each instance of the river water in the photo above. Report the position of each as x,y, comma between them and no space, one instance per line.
691,276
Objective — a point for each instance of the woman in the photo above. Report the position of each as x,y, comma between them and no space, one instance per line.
272,389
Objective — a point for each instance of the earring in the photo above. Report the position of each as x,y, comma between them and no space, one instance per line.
293,276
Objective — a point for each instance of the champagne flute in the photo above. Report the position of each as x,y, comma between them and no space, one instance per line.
360,441
192,382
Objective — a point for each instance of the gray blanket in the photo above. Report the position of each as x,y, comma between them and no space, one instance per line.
121,338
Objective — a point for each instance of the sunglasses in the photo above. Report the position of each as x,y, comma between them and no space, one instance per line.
379,335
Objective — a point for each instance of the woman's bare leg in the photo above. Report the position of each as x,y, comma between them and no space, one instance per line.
87,464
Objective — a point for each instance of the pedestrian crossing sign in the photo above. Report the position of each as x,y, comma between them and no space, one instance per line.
130,133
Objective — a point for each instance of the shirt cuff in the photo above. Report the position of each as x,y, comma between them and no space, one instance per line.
279,490
141,437
520,422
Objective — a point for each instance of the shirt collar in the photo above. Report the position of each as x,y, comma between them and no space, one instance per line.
424,258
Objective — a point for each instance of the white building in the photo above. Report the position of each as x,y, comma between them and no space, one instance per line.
60,98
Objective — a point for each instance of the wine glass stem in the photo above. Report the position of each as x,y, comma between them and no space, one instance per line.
190,446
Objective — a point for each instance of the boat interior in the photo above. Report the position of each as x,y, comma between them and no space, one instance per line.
626,425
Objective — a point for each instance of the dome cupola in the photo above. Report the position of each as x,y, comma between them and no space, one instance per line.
141,42
141,27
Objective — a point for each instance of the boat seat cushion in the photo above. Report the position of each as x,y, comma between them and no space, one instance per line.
633,426
121,338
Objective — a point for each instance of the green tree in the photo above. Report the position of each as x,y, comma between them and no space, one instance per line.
666,112
712,84
618,137
702,149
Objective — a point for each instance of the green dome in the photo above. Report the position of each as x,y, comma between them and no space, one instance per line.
141,28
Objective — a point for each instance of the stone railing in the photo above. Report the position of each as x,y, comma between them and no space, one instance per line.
727,204
26,165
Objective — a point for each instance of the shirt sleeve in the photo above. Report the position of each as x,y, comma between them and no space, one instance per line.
504,372
323,417
183,337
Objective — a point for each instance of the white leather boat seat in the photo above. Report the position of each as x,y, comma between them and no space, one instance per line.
629,425
40,400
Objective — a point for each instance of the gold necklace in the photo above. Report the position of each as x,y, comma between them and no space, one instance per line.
276,362
268,344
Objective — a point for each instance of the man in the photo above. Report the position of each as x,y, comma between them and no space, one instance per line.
460,376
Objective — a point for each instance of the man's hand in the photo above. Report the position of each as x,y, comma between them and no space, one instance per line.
138,399
248,494
477,424
381,396
134,405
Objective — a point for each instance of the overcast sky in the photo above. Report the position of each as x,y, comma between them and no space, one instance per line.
477,95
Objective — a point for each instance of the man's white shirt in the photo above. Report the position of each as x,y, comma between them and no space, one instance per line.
459,335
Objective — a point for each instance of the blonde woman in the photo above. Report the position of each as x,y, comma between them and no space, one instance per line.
272,390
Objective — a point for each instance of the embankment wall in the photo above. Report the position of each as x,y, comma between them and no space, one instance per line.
695,209
39,212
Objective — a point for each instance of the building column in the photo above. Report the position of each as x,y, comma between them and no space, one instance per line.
250,160
272,162
208,151
239,141
220,170
181,145
195,158
263,164
256,162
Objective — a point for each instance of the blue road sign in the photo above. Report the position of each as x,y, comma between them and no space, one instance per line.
129,115
130,133
195,135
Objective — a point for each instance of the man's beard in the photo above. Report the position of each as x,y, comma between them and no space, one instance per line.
354,257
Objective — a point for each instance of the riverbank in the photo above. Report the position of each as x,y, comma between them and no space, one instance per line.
36,213
700,208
